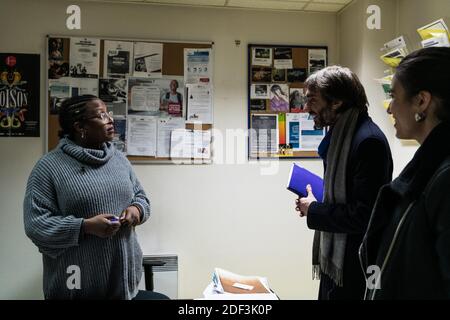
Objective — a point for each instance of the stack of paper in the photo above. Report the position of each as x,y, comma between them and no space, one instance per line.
226,285
435,34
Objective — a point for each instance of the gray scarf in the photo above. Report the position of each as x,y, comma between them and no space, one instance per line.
329,248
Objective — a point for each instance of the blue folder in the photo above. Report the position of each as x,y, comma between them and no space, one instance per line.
299,178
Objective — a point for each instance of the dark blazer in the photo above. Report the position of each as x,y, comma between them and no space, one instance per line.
412,215
369,167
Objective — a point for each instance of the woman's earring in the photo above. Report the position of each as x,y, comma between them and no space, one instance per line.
82,135
419,116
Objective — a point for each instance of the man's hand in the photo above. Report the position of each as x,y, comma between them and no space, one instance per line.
131,216
302,204
100,226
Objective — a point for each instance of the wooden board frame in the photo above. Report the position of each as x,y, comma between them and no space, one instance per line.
172,64
299,60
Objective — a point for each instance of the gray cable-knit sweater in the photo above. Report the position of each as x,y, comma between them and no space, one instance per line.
70,184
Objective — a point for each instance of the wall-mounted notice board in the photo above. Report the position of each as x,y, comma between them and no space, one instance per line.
278,125
159,92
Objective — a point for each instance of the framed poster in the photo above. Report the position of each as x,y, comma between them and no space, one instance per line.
19,95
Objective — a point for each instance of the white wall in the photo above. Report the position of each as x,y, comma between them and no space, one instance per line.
359,50
228,216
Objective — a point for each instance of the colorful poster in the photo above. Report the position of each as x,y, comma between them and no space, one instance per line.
282,128
301,132
19,95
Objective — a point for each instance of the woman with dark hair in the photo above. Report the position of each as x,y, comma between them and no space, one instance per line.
412,214
82,204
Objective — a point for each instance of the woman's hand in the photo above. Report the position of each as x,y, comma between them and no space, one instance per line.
302,204
131,216
100,226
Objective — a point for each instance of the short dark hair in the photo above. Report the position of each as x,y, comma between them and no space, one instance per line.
428,69
71,111
339,83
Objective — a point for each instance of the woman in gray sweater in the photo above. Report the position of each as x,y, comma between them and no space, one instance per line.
82,204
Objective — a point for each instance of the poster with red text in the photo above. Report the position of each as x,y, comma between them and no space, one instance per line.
19,95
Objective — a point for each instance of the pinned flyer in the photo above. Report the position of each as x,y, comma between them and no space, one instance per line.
434,29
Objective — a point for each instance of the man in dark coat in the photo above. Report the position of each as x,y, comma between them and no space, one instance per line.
357,162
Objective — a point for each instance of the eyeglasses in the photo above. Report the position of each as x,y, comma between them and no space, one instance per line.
104,116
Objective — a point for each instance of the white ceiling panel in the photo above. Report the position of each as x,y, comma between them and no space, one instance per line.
220,3
267,4
324,7
332,1
285,5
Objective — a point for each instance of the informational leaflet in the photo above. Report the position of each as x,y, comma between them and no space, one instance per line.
202,144
199,103
301,133
143,95
197,66
165,128
264,133
117,60
84,86
181,143
84,57
317,60
262,57
141,138
148,59
185,143
282,58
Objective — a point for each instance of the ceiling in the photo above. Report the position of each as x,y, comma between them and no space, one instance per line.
284,5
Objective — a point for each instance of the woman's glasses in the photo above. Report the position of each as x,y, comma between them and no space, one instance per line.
104,116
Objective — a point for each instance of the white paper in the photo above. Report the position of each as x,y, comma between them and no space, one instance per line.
148,59
165,128
439,41
181,143
145,98
259,91
197,66
117,60
82,86
84,57
317,60
262,57
202,144
141,137
199,103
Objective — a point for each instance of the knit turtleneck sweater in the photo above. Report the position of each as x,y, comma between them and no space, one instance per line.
66,186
